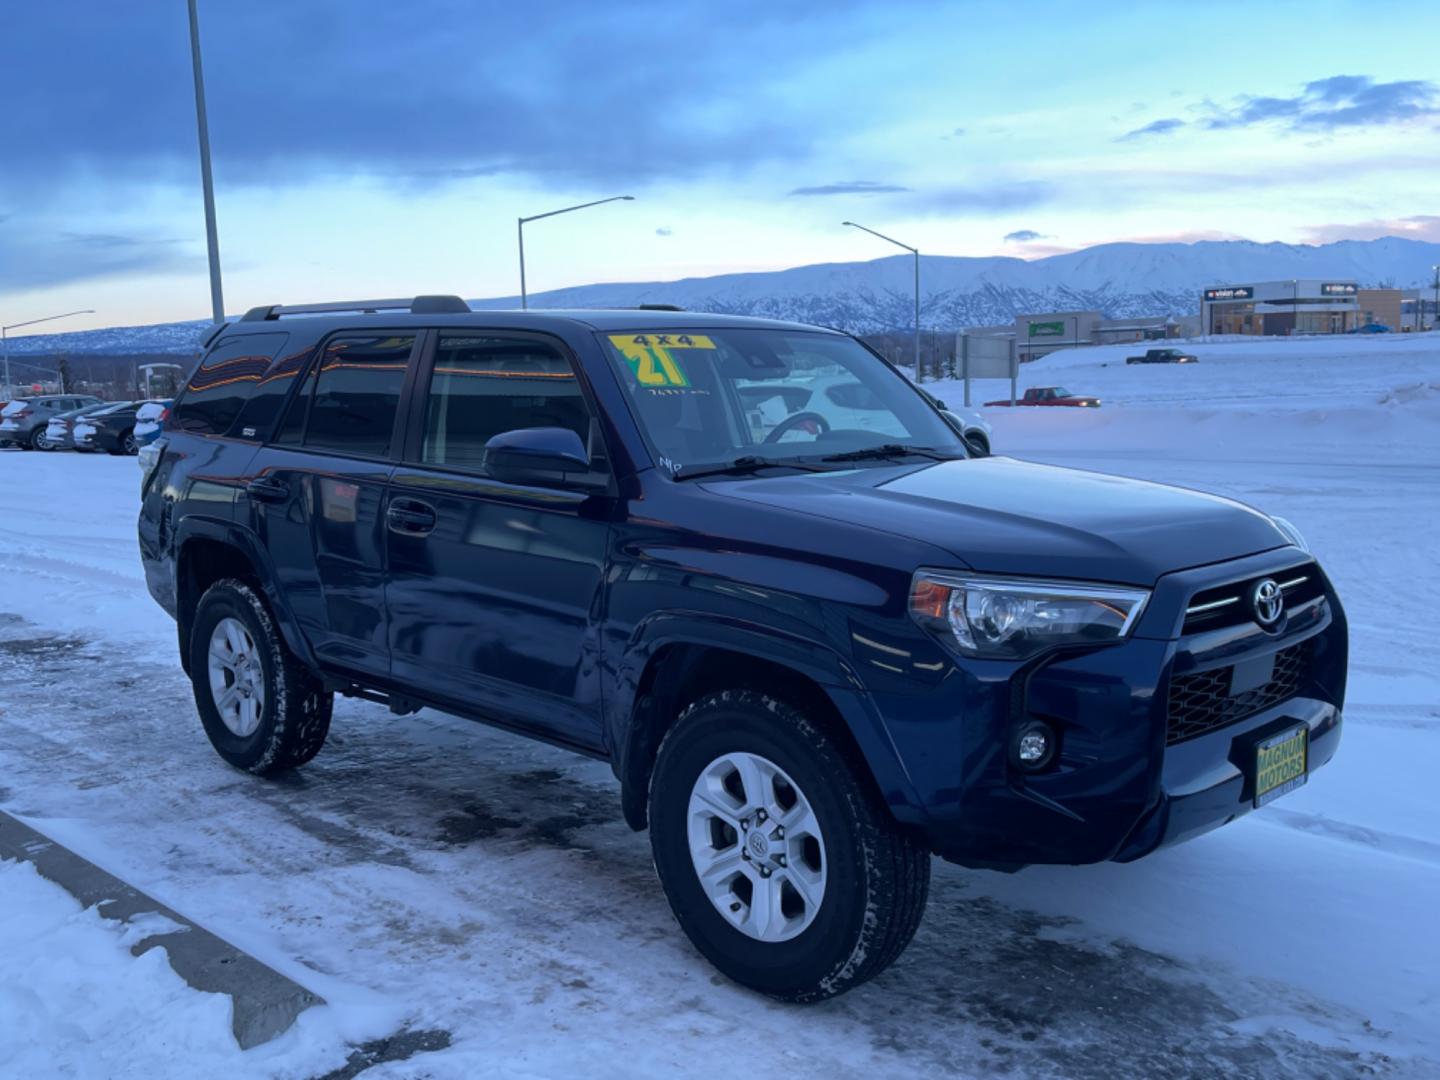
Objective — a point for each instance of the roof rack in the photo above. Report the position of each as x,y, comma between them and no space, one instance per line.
418,305
659,307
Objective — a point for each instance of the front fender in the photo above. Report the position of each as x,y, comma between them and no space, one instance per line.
631,738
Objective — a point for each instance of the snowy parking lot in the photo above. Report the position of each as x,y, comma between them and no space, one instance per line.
426,874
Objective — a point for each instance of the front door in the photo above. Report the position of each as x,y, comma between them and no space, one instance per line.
495,588
319,491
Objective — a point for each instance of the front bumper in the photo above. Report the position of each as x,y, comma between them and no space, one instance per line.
1116,789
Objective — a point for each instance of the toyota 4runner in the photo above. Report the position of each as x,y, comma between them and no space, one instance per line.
814,653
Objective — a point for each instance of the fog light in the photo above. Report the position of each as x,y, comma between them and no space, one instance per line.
1034,746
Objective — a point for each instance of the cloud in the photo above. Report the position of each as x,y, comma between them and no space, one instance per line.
427,92
1340,101
851,187
1155,127
38,259
1419,227
1024,236
664,230
958,132
984,199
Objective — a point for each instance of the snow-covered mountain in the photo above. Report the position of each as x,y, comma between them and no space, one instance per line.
1120,280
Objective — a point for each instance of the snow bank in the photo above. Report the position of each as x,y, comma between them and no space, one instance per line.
74,1001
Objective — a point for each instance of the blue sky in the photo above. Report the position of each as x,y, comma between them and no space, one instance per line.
368,148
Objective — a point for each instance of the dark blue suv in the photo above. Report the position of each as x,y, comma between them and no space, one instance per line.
753,568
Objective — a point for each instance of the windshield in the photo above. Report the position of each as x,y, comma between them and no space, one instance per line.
710,399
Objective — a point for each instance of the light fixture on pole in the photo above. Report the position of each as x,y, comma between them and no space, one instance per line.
520,230
207,182
5,339
919,375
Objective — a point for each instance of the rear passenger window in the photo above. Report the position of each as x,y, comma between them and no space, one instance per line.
357,393
223,381
258,415
485,384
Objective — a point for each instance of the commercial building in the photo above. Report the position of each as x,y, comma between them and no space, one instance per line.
1303,306
1037,335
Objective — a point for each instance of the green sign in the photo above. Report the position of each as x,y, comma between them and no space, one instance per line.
1047,329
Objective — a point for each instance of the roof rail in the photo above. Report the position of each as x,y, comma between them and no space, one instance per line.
659,307
417,305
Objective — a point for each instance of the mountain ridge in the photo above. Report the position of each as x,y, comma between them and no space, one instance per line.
1126,279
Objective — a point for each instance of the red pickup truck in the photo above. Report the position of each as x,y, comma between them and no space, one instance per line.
1051,395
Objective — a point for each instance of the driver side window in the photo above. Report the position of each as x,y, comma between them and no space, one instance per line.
486,384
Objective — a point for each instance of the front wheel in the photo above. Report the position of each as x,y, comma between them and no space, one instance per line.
41,440
781,864
262,709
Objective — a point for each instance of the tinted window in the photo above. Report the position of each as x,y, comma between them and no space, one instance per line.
485,384
223,382
357,392
259,413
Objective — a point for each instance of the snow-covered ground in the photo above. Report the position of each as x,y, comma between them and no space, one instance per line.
426,873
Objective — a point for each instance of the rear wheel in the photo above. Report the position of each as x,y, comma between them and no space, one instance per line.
261,708
781,864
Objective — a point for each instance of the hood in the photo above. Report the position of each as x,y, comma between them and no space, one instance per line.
1001,516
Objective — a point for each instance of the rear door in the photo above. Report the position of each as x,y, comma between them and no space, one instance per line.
494,590
317,492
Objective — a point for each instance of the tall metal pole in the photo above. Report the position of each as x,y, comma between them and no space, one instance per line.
520,228
524,299
1435,319
919,374
212,238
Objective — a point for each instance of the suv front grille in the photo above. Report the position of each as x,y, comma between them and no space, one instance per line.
1229,605
1202,703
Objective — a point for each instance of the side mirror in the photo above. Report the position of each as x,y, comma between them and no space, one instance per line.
536,455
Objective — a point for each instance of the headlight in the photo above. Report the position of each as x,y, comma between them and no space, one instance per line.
1012,618
1291,532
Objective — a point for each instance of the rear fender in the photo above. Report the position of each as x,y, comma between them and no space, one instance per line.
241,539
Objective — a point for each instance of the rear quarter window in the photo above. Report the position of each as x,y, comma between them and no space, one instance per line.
225,380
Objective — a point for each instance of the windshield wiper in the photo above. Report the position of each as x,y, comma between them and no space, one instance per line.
743,466
891,450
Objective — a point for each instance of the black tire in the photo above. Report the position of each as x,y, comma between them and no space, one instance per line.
878,873
296,715
39,441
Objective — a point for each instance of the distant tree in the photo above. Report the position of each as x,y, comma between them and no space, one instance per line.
66,379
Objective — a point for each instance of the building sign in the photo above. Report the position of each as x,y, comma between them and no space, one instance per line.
1239,292
1047,329
1339,288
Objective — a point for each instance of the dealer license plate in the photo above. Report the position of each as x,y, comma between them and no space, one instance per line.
1281,764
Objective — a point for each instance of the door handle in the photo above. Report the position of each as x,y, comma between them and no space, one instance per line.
267,489
411,516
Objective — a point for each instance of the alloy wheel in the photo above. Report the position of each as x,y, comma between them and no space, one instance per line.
757,847
237,680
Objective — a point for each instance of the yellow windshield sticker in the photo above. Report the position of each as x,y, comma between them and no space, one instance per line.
652,358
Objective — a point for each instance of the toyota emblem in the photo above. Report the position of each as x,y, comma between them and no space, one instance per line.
1268,602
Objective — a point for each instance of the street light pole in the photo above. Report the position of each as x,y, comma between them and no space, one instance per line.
5,337
207,181
919,374
520,229
1435,319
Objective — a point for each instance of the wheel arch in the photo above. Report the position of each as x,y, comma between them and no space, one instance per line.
207,551
671,670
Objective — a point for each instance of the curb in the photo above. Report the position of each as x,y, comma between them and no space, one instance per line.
265,1003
